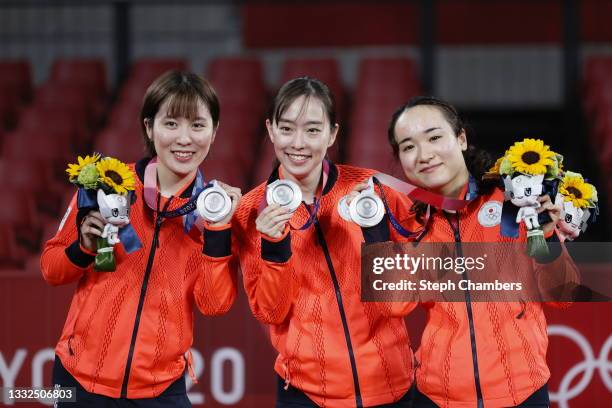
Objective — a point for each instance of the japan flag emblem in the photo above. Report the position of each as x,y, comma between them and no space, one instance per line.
490,213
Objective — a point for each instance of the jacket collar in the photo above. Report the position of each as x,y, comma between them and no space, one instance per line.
140,167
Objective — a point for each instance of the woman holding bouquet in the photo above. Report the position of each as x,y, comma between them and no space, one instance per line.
472,354
127,336
301,269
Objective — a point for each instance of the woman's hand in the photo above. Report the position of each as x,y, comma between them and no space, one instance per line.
272,220
235,194
356,190
91,228
554,211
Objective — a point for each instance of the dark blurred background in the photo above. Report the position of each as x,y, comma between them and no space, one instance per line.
73,74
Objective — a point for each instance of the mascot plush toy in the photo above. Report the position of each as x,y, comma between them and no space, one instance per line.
115,209
580,207
529,169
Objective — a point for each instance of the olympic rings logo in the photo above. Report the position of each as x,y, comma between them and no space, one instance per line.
587,366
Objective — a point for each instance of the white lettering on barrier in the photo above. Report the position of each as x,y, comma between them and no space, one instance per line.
10,371
38,363
216,380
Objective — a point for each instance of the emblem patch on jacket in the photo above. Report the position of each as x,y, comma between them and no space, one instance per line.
490,213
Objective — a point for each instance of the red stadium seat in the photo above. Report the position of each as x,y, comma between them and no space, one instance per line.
18,73
242,71
133,93
69,96
239,85
384,84
598,68
325,70
124,115
57,121
146,70
29,145
19,211
19,173
35,178
11,254
246,98
83,72
10,102
605,148
125,145
598,98
385,69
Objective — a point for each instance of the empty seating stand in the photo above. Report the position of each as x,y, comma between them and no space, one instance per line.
597,102
383,84
15,90
240,86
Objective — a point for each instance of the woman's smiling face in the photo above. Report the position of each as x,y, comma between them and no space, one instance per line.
302,136
430,152
182,143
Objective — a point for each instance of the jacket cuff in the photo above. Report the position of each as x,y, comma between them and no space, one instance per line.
79,256
276,250
554,250
549,234
377,233
217,241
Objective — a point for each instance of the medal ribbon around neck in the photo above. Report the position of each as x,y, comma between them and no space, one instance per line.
419,194
187,211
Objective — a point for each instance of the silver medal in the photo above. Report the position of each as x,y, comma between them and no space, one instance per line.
343,209
367,208
213,203
285,193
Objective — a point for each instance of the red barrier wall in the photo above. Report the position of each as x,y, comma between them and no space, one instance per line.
234,359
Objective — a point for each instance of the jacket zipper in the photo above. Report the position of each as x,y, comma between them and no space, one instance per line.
347,335
468,304
143,292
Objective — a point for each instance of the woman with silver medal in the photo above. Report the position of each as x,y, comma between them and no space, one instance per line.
301,268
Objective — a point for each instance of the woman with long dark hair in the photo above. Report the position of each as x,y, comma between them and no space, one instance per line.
301,268
472,354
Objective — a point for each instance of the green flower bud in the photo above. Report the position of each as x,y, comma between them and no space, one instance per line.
88,177
506,167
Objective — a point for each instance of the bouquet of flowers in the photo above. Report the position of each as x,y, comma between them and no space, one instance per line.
105,183
527,168
580,205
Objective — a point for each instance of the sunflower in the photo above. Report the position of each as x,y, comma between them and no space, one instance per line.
74,170
116,175
575,189
531,156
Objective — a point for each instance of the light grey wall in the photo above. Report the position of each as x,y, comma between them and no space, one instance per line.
42,34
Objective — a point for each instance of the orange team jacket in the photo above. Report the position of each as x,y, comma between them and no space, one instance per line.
339,351
483,352
128,332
